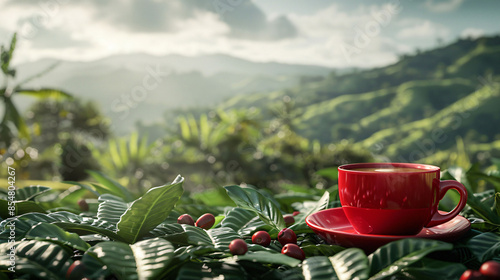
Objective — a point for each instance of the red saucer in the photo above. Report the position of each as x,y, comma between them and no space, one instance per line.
332,225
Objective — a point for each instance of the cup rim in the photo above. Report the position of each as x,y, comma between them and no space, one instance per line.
424,168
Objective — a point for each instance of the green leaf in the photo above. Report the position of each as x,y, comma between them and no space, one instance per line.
50,256
64,216
148,211
245,222
483,226
298,189
318,268
331,173
83,229
496,162
485,246
267,257
184,126
6,57
133,144
213,197
204,131
393,257
143,260
45,93
431,269
144,148
166,228
26,267
250,199
257,248
122,147
470,182
94,268
71,195
218,220
20,228
115,155
217,237
111,208
321,250
496,205
350,264
287,199
21,207
30,192
53,233
33,218
65,220
12,115
221,237
307,209
84,225
185,252
95,189
110,184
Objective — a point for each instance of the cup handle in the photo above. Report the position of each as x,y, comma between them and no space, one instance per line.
444,186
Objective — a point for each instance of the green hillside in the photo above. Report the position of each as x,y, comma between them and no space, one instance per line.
413,110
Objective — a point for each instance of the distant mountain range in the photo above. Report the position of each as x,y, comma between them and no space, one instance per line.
417,109
142,87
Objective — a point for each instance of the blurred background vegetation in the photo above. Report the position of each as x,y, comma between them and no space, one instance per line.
440,106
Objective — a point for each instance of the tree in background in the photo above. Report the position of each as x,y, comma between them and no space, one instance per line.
62,131
13,125
14,133
237,146
135,163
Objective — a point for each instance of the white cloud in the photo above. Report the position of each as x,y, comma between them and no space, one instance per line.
60,33
421,29
361,38
472,33
309,39
443,7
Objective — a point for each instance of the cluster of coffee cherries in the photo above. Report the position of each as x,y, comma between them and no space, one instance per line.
205,221
286,236
489,270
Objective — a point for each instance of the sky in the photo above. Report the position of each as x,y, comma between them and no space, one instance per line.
367,33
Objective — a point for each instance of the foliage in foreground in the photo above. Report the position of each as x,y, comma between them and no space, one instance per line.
120,236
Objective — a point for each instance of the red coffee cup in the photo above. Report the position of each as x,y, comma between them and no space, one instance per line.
395,198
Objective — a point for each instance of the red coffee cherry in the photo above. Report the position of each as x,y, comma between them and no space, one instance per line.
206,221
238,247
470,274
295,213
75,271
490,270
294,251
185,219
262,238
84,206
286,236
289,220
